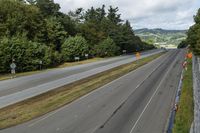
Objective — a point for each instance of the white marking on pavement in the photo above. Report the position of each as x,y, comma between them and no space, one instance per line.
78,100
50,114
133,128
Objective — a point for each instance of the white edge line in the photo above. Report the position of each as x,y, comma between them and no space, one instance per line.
79,99
151,99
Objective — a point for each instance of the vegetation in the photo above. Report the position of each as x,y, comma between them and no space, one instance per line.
74,47
194,35
183,44
106,48
35,30
39,105
162,37
184,116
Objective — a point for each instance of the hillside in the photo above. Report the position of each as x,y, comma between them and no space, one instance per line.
161,37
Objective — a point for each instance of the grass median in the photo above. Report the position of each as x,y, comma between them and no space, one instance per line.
52,100
184,115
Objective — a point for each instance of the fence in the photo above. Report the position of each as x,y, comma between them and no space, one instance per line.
195,128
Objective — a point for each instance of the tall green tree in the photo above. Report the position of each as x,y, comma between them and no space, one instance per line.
194,35
27,54
106,48
48,7
74,47
113,15
34,30
55,32
19,18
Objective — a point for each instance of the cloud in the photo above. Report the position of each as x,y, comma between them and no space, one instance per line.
175,14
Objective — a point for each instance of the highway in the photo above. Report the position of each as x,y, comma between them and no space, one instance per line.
139,102
19,89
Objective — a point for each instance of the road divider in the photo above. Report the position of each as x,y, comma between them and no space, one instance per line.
54,99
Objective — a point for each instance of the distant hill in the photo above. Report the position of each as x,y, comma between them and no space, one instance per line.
161,36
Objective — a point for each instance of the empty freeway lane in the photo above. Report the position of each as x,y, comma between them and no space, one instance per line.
139,102
19,89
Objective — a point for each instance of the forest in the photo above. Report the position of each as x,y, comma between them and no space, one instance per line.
35,31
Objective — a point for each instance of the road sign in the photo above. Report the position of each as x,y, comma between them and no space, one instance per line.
40,62
13,66
124,51
77,58
137,55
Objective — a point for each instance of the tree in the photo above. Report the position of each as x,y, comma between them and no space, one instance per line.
68,23
74,47
92,33
193,38
48,7
55,32
27,54
77,16
19,18
33,30
113,16
183,44
95,15
106,48
197,17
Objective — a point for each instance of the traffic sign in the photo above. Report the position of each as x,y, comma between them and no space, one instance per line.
77,58
13,66
137,55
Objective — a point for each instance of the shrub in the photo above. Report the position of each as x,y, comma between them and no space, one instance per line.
27,54
74,47
106,48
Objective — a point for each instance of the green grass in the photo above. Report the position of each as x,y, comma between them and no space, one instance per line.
52,100
184,116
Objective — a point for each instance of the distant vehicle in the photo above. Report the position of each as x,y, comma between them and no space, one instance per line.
164,49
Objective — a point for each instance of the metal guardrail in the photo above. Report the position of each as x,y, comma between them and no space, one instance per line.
174,109
195,128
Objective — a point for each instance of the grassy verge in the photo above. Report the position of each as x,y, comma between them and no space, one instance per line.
184,116
67,64
42,104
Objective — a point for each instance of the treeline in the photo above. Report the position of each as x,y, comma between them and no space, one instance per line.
32,31
193,39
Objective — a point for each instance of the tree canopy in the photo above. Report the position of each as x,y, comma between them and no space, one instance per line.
194,35
36,30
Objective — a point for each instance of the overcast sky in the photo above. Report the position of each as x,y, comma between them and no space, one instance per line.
166,14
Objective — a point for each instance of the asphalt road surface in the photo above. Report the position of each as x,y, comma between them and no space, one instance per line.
139,102
19,89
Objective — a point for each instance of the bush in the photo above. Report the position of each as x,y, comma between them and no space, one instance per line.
106,48
183,44
74,47
27,54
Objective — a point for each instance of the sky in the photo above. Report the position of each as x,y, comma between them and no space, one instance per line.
166,14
